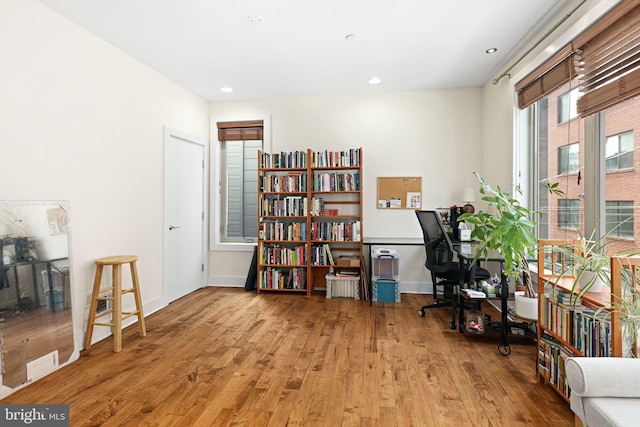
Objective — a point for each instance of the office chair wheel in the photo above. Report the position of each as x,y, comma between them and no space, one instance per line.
421,313
504,350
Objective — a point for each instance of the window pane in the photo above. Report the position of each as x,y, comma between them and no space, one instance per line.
626,218
569,158
626,142
619,151
563,160
620,187
568,213
250,190
619,219
240,186
574,157
625,160
567,105
612,216
560,151
611,146
618,193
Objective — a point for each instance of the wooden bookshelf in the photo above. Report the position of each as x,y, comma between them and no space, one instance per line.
309,207
571,328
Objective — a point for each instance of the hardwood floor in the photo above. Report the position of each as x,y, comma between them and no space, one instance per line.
222,357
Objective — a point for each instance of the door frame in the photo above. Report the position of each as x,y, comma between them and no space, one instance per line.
175,133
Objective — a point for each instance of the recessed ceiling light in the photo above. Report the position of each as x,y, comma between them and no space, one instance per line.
255,19
491,50
226,89
374,81
350,37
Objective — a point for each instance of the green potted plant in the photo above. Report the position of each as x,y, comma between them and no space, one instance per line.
509,231
589,263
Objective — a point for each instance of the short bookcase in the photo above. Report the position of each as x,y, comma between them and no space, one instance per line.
569,329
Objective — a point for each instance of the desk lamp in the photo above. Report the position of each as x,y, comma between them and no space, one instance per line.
468,196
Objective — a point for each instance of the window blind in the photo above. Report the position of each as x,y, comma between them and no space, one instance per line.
610,60
549,76
240,131
605,58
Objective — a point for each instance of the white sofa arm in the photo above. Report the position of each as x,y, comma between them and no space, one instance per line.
603,376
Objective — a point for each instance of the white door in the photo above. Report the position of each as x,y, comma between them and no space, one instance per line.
184,250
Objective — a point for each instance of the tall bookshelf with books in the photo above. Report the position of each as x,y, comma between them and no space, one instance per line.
335,218
309,218
568,327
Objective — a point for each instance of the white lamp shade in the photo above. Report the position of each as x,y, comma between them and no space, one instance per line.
469,195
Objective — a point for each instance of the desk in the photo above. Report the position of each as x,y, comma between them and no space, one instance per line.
389,241
466,254
50,265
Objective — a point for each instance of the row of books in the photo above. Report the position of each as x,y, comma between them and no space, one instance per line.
336,181
275,278
321,255
317,205
322,159
318,208
580,326
272,205
551,358
291,183
294,231
291,159
336,231
282,255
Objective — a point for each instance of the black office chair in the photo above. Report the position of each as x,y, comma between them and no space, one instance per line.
445,272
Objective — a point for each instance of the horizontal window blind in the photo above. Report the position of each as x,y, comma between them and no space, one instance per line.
240,131
549,76
610,62
605,58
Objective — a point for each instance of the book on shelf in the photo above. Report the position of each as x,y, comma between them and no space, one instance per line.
328,251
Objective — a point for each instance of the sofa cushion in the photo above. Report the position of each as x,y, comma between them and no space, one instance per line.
611,411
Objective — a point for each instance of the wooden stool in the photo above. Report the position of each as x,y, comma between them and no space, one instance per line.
117,315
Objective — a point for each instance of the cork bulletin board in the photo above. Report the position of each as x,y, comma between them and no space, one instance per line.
399,192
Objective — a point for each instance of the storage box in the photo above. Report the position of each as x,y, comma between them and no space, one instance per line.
58,300
386,291
343,287
385,264
345,261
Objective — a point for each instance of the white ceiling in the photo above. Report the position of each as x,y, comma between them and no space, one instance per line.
300,47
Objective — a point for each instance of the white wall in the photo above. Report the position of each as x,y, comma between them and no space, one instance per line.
434,134
82,121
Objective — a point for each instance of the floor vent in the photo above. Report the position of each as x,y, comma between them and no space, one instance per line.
42,366
103,305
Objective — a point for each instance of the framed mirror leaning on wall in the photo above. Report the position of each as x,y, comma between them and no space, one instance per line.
36,316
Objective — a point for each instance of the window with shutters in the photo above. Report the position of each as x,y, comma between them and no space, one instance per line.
234,181
588,92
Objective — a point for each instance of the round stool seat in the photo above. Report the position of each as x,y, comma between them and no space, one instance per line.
117,259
